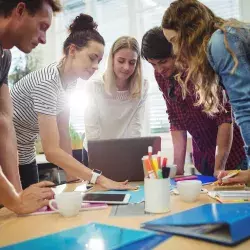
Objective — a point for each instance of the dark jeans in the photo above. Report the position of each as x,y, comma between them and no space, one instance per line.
29,174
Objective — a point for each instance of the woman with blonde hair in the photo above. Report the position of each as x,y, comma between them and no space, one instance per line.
116,99
215,54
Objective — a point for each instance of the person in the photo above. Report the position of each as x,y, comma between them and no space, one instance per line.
213,147
23,24
217,52
242,177
41,107
116,99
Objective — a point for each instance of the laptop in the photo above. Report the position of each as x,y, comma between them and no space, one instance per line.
121,159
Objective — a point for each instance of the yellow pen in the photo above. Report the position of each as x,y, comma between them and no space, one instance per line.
230,174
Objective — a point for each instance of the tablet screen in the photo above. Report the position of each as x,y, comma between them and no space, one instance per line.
104,197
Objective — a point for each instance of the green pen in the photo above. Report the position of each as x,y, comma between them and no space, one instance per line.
159,174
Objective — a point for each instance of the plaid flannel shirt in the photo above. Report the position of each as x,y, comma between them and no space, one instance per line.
183,115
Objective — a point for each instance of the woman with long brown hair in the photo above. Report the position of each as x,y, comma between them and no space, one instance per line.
215,54
40,106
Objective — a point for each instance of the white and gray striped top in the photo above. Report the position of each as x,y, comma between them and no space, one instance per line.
39,92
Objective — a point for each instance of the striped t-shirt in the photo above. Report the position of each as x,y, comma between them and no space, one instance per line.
39,92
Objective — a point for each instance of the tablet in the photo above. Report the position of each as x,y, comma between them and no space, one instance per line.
106,198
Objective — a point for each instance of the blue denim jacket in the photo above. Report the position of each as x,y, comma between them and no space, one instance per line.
237,85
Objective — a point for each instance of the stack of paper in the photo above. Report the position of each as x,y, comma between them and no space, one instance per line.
230,196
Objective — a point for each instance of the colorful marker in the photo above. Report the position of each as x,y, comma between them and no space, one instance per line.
144,158
165,172
155,163
164,162
159,174
151,173
159,159
150,151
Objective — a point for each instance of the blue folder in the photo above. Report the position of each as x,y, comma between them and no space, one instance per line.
93,236
226,224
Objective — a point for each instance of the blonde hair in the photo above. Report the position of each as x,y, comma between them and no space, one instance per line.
135,80
194,29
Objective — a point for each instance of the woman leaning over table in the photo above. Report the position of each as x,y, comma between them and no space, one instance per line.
217,53
116,99
40,106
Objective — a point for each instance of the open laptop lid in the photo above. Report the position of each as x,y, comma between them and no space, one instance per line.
121,159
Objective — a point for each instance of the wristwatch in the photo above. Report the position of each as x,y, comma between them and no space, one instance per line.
95,174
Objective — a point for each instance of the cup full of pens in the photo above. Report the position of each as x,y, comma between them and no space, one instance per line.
157,182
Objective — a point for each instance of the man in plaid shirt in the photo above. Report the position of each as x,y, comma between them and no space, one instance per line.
217,142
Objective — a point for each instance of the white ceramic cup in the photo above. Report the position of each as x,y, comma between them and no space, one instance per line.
189,190
157,195
67,204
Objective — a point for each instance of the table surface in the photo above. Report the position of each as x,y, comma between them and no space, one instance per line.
15,228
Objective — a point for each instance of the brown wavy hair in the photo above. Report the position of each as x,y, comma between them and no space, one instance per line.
195,23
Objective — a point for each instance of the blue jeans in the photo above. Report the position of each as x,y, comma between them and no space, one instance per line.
237,84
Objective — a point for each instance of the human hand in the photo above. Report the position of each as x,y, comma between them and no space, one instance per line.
242,177
109,184
33,198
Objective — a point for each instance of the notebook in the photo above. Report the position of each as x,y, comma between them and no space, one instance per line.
94,236
231,196
226,224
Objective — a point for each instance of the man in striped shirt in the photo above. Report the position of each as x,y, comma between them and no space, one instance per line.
217,142
23,24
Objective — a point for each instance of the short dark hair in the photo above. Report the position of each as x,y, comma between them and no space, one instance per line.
82,30
7,6
155,45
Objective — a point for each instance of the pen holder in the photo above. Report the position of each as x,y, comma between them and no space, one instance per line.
157,195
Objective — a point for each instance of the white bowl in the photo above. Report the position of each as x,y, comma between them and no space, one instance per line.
189,190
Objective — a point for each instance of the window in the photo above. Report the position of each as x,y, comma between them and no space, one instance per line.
124,17
135,17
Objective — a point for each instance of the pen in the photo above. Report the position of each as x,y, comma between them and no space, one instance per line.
64,182
230,174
